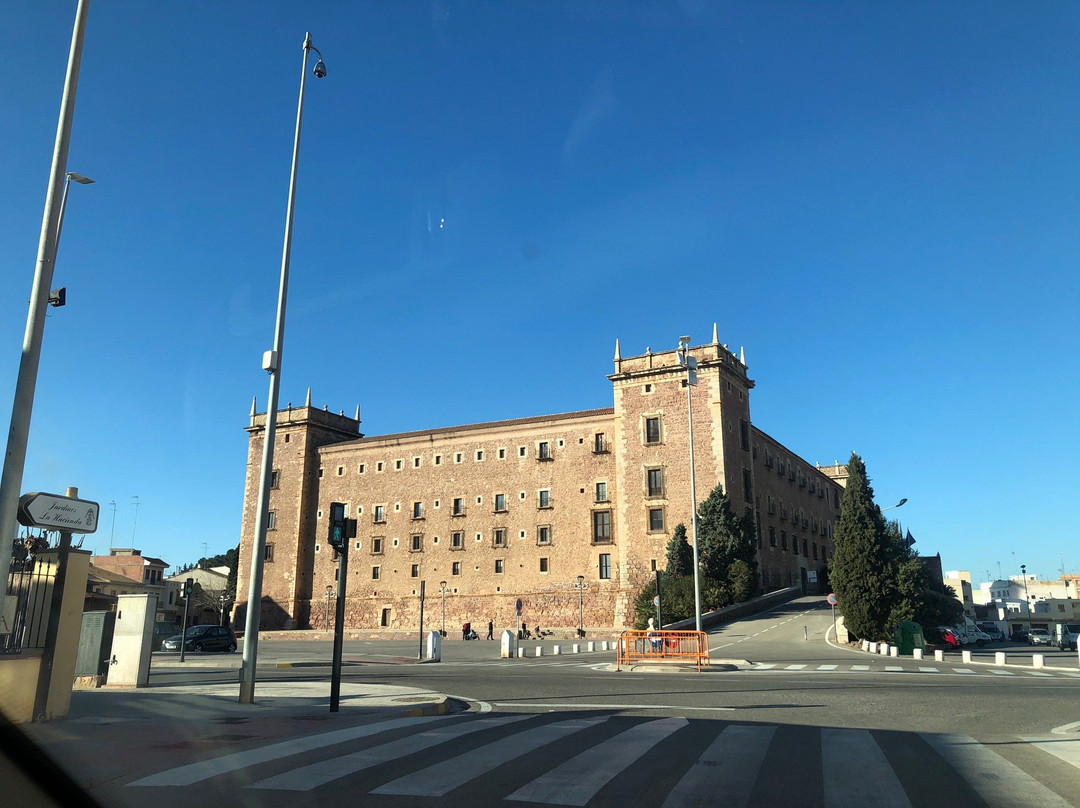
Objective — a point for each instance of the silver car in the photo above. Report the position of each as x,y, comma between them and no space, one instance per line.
1040,636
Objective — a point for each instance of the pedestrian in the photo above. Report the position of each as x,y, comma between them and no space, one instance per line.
465,628
491,630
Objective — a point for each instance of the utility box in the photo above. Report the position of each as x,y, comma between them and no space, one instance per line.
909,636
129,662
95,644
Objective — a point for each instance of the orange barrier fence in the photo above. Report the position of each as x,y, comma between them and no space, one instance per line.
662,646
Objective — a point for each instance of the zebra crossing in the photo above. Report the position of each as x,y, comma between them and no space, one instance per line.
928,669
603,758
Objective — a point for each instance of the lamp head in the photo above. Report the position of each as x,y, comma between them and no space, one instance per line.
79,178
320,69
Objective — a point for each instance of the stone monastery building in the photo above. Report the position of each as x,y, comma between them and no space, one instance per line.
518,509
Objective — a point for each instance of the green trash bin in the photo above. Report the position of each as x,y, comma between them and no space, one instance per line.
909,636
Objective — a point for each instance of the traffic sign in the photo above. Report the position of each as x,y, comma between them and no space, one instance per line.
656,601
59,513
831,600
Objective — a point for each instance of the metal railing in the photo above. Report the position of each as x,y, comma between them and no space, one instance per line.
24,612
662,646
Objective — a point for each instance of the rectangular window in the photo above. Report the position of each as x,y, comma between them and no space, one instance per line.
384,619
543,565
599,443
748,486
360,469
458,508
458,457
500,503
498,566
457,540
502,454
398,465
543,534
268,552
414,571
416,462
601,526
275,478
456,568
744,432
417,544
438,460
374,573
783,539
656,520
656,482
545,498
652,429
804,546
601,492
499,537
271,520
544,451
418,510
377,545
380,513
605,566
479,454
814,545
772,536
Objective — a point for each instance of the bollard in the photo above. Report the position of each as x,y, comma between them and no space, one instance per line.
508,645
805,636
873,648
999,658
917,653
603,645
894,651
521,653
576,648
884,649
965,657
556,650
1037,660
539,650
591,646
939,656
866,645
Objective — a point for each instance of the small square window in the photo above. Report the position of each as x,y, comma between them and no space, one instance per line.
521,451
438,460
340,470
479,454
398,465
502,454
379,466
458,457
416,462
360,469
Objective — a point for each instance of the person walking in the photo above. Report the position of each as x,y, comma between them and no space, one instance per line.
491,630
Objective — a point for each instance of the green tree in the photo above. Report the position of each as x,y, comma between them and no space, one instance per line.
865,562
680,555
723,537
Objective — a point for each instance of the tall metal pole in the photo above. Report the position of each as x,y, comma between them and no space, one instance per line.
691,381
272,364
581,605
420,653
339,628
442,591
23,405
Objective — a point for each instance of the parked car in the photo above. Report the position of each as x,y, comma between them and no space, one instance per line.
992,631
162,632
202,638
1039,636
949,637
1066,635
1019,634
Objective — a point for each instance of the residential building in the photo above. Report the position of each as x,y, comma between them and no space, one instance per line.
516,510
146,572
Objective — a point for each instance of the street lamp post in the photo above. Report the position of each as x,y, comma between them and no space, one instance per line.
690,363
442,591
581,605
326,615
1027,602
272,364
897,505
222,599
26,381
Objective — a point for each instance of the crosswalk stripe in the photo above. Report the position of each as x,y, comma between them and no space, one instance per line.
725,774
894,669
794,667
577,781
1001,783
854,750
205,769
440,779
1002,673
1067,749
827,667
1073,675
963,670
929,670
764,667
860,667
1038,673
306,778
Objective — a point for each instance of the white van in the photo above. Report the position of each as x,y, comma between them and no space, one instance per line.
1066,635
970,634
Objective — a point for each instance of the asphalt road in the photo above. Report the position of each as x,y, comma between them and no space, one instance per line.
803,723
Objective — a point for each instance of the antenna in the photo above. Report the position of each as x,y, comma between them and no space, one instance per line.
134,527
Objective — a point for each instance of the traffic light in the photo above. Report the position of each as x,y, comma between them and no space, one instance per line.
341,528
189,587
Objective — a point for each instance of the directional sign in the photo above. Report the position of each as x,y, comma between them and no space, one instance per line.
831,600
59,513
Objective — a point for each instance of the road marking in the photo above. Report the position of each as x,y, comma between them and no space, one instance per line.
928,670
306,778
826,667
765,666
854,750
735,758
544,705
794,667
1002,673
1065,749
1073,675
577,781
1037,673
205,769
442,778
860,667
963,670
999,782
893,669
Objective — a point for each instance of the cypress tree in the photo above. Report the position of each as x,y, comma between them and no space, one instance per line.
680,555
723,537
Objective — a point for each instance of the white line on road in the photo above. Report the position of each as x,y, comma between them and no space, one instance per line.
544,705
734,759
860,667
826,667
794,667
893,669
928,670
854,750
1065,749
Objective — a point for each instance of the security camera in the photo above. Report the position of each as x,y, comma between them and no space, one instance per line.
320,70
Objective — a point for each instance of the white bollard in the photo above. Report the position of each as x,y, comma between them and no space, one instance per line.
873,648
591,646
999,658
1037,661
894,651
939,655
917,653
603,645
556,650
434,646
866,645
576,648
521,653
508,645
539,650
883,649
965,657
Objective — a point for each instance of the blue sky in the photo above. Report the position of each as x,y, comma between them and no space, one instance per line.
879,201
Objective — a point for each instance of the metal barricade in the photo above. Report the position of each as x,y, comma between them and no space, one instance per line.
662,646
